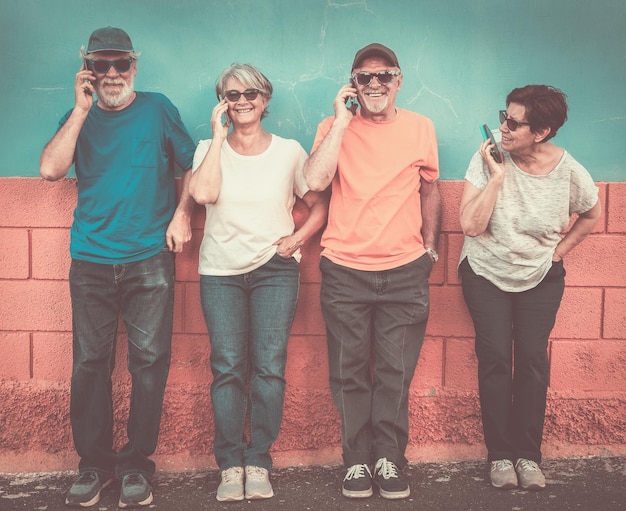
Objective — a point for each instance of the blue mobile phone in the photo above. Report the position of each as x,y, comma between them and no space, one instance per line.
487,135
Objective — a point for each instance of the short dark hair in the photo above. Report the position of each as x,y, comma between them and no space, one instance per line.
546,107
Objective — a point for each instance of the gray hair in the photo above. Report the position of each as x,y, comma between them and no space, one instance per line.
249,76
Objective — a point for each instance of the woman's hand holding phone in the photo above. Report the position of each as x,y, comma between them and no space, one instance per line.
493,147
220,121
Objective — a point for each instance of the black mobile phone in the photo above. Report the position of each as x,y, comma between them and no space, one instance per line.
225,114
487,135
85,80
352,102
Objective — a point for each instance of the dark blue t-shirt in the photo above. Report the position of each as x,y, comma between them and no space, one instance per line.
125,168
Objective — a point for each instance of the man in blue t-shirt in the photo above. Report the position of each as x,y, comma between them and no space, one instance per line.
127,228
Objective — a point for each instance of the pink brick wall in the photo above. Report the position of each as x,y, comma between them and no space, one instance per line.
587,397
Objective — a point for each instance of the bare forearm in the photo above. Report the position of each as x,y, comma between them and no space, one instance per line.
205,183
431,214
476,212
185,203
314,222
321,166
58,154
582,227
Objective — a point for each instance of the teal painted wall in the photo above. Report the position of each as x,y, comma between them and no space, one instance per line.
459,58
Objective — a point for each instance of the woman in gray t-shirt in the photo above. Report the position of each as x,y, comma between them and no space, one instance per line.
513,215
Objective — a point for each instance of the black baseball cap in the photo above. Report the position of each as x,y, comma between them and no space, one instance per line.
109,39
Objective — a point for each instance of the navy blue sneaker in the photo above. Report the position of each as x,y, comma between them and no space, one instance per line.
357,484
391,483
85,491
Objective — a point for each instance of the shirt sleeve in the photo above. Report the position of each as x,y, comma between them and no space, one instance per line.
429,170
182,145
299,184
583,190
475,173
201,150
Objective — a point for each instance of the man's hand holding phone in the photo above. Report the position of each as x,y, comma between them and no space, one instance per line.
83,90
342,110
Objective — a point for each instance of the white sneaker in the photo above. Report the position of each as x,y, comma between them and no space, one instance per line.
231,487
258,484
530,475
503,474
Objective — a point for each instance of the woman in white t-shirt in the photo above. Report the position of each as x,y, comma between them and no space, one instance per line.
249,273
513,215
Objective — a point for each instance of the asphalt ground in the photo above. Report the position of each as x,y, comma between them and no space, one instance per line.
588,484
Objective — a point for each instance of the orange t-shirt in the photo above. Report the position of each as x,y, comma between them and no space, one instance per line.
375,219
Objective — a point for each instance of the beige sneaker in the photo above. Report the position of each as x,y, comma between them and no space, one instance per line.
231,487
530,475
258,484
503,475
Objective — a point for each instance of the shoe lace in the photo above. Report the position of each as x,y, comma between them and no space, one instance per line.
501,465
357,472
386,469
528,465
134,480
86,478
231,474
256,473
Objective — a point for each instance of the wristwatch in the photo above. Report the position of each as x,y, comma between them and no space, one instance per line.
432,253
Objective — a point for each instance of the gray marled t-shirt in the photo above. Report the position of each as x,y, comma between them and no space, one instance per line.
531,212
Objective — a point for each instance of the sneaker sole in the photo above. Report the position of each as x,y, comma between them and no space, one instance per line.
259,496
392,495
511,484
505,486
357,494
235,498
144,502
93,501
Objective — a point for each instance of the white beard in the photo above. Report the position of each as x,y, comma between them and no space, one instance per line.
375,106
114,99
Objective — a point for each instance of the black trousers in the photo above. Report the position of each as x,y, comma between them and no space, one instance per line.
512,332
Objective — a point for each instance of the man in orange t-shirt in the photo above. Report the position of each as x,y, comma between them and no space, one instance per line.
378,251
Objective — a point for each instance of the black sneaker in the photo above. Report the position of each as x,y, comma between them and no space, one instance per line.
358,482
391,483
136,491
86,489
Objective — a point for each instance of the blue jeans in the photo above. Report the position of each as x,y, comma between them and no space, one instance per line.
375,322
249,319
512,332
143,292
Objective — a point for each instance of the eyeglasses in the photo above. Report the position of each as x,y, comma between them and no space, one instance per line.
512,124
234,95
383,77
101,67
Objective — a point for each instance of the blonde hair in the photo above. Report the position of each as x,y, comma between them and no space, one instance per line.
249,76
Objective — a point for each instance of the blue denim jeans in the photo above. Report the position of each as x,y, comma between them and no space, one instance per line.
249,319
375,322
512,333
143,293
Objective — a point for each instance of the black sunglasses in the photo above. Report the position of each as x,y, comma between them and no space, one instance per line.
383,77
234,95
512,124
101,67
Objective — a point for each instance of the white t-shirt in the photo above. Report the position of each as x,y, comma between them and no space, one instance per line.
254,207
515,251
